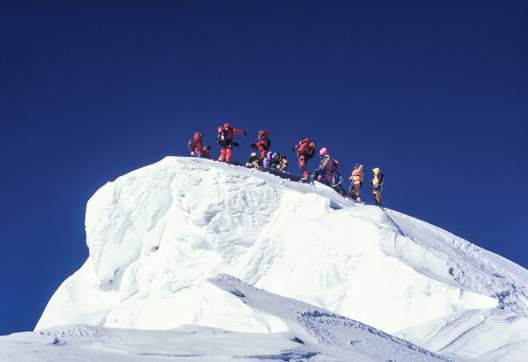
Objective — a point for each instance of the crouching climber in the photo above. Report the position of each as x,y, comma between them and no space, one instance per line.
283,163
377,184
196,147
271,161
254,161
225,140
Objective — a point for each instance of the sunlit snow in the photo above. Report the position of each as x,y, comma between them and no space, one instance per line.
158,235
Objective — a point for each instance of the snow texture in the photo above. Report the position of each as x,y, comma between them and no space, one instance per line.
314,334
157,234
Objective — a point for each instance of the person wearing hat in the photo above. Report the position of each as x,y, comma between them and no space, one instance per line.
327,168
377,184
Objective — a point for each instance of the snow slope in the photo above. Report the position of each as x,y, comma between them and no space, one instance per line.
157,234
326,333
492,334
314,334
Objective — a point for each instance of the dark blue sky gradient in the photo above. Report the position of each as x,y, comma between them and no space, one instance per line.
435,93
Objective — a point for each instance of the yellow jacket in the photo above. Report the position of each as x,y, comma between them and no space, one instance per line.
377,180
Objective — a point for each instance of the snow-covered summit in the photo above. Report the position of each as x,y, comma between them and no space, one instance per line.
157,234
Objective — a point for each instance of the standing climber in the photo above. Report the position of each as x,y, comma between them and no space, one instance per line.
305,150
356,182
377,184
263,144
327,168
226,142
195,144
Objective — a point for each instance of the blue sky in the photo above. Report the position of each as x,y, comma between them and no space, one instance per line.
434,93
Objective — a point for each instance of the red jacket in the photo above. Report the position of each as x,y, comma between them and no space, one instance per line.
195,145
225,135
263,144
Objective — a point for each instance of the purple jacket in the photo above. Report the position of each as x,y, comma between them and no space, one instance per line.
266,163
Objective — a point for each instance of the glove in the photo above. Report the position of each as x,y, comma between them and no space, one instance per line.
192,153
253,145
235,144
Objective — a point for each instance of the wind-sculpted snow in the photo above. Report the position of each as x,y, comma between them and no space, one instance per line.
314,335
157,234
471,267
328,333
491,335
187,343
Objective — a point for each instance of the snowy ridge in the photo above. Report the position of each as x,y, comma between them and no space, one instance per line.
491,334
472,266
158,234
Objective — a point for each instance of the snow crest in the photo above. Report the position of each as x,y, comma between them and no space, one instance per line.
157,234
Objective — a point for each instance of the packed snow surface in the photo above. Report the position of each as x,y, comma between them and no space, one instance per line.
156,236
313,335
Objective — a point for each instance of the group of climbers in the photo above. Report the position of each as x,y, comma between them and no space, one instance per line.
262,158
275,161
265,159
